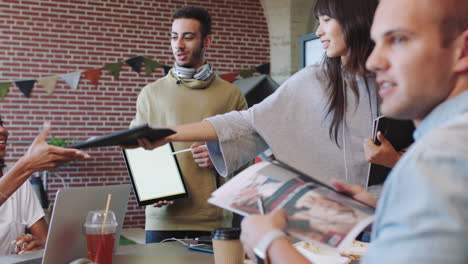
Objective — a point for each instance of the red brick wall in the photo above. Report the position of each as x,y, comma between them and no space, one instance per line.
49,37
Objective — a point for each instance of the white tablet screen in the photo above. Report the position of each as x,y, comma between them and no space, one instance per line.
155,173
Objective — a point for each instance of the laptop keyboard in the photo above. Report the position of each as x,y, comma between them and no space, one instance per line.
30,261
26,258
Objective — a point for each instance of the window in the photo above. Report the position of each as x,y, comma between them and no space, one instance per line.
311,50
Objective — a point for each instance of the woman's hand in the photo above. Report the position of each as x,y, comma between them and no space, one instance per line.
355,191
42,156
27,242
384,154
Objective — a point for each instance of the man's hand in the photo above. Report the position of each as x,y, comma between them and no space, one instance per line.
201,156
162,203
355,191
42,156
384,154
27,242
254,227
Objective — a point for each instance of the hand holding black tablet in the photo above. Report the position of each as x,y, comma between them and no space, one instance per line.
126,137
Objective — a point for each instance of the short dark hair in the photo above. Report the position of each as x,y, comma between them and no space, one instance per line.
197,13
454,21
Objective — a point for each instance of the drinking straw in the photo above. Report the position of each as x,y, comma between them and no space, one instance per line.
109,197
100,241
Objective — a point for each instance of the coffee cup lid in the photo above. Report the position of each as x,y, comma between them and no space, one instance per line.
226,233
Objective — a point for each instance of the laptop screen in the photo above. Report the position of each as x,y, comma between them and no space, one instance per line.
66,240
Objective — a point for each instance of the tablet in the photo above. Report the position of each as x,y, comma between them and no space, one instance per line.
155,174
126,137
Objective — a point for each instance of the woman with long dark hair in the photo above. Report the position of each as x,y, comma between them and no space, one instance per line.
344,63
317,120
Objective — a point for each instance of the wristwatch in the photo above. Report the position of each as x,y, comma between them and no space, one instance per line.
261,248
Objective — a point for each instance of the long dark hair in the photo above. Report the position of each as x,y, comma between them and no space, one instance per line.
355,18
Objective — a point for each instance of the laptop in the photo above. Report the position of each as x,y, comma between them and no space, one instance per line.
66,240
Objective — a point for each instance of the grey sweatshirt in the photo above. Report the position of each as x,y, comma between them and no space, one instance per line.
292,123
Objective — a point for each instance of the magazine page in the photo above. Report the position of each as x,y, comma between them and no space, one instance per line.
315,212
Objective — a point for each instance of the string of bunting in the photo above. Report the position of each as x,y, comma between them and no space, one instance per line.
93,75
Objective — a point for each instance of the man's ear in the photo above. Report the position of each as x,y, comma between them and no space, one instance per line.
208,40
461,64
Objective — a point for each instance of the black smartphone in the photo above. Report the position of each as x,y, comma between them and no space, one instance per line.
202,247
204,240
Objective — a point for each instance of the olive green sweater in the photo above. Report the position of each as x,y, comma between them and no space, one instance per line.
167,103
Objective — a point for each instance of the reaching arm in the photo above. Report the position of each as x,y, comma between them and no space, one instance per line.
200,131
39,156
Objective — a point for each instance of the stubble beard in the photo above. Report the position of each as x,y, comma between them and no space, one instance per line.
197,57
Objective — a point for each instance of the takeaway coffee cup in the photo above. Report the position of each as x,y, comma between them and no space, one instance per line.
100,236
227,246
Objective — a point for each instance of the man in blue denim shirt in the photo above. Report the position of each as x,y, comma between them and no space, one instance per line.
421,62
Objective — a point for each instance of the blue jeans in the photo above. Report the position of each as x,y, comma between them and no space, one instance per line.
158,236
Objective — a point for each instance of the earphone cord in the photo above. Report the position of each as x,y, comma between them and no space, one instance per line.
181,241
343,127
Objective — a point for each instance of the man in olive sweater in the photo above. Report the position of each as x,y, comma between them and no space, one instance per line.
190,92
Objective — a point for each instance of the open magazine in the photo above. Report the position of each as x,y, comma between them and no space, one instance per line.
316,212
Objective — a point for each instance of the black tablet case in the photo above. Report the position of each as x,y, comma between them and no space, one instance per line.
126,137
400,134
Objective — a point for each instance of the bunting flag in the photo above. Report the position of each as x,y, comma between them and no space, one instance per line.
167,68
150,65
93,75
135,63
25,86
48,83
72,79
246,73
229,77
4,86
114,69
264,68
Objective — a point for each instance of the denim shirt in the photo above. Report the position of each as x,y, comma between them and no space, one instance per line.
422,215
